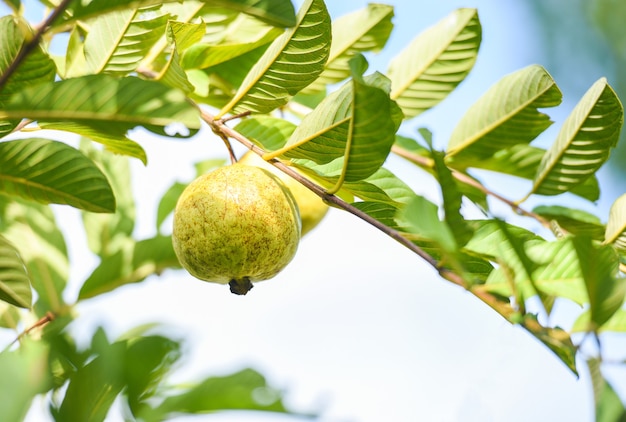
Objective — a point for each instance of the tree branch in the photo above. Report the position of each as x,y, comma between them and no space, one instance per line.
464,178
218,126
33,43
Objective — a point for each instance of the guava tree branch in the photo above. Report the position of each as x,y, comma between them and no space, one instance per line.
426,162
219,126
34,41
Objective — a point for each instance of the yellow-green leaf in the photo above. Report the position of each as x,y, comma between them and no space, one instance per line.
52,172
584,142
290,63
507,114
615,233
435,62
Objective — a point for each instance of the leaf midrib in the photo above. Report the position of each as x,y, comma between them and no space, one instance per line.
354,40
114,46
84,116
470,141
20,181
421,71
557,158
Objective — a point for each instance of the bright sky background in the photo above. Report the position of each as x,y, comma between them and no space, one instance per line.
356,327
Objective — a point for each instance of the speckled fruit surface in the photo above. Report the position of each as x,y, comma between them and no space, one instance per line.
312,208
238,224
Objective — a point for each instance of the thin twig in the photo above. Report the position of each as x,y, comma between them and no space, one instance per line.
464,178
49,316
33,43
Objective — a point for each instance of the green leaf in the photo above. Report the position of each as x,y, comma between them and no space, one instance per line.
555,339
559,273
475,269
268,132
356,123
190,17
616,324
52,172
32,229
244,34
105,104
599,268
615,233
185,34
609,406
420,156
420,217
276,12
15,5
25,374
435,62
381,211
9,316
217,85
507,114
451,201
521,160
507,245
117,144
372,127
180,35
36,69
291,62
556,273
244,390
130,264
382,186
75,53
576,222
148,359
362,31
584,143
412,146
14,280
107,233
93,387
117,42
168,202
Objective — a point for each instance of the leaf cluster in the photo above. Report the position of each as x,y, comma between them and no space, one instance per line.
314,107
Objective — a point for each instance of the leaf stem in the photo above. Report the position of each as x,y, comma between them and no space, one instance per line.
48,317
33,43
426,162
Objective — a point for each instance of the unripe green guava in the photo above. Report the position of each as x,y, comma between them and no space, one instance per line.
312,208
238,224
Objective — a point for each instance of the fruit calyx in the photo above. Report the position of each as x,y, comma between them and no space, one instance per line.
240,287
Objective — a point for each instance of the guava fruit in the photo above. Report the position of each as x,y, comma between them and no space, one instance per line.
238,224
312,208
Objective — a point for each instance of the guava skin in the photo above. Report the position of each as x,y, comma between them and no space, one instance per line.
238,225
312,208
